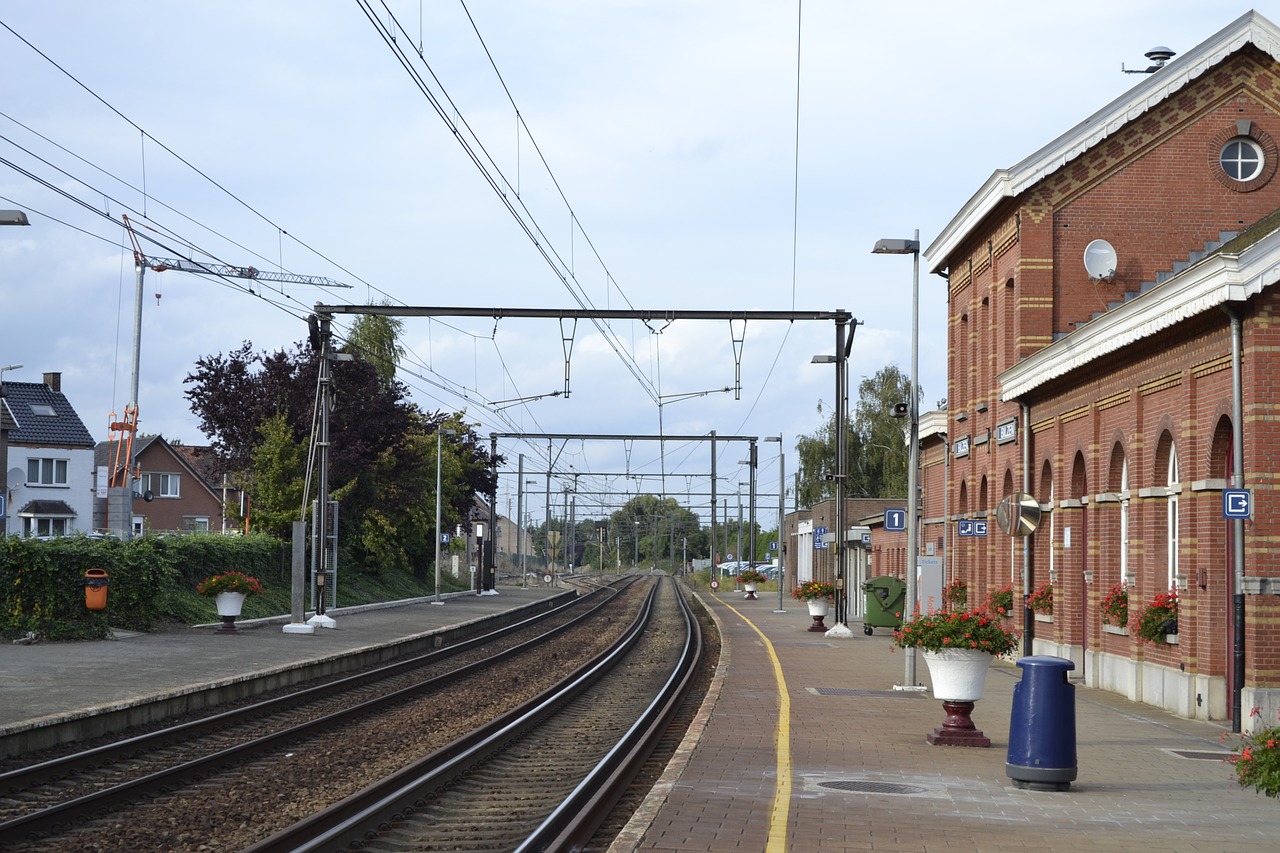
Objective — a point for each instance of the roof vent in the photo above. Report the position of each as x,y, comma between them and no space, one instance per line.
1158,55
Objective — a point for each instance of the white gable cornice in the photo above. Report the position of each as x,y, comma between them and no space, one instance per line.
1214,281
1250,28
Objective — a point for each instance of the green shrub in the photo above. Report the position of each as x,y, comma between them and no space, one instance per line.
151,580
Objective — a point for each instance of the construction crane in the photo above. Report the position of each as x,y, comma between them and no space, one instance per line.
224,270
120,454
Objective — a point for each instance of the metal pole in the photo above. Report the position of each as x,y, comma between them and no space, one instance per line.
712,556
782,514
439,480
913,469
489,554
524,577
320,550
1237,526
751,500
841,592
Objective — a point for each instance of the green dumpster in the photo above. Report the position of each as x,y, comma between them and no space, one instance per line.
885,599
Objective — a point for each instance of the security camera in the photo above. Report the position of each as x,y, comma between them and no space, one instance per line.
900,410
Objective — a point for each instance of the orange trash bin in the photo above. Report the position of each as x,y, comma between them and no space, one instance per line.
96,582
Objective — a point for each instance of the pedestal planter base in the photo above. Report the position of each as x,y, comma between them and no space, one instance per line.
817,622
228,626
957,729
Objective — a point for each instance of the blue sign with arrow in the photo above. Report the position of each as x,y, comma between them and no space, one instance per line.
1237,503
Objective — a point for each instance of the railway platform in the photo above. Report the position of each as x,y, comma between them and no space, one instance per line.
805,745
53,692
802,745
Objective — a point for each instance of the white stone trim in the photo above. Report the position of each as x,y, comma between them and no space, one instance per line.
1218,279
1154,89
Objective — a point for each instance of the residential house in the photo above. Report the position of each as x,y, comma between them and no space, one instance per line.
48,468
173,493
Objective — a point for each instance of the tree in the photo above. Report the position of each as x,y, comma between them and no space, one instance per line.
275,483
375,338
876,451
382,448
657,522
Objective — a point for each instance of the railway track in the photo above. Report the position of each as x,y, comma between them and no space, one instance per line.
47,797
307,753
543,777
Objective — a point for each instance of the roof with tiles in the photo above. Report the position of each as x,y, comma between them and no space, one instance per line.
44,417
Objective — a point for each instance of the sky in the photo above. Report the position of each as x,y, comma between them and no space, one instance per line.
647,154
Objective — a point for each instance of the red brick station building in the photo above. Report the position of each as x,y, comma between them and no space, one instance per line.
1129,398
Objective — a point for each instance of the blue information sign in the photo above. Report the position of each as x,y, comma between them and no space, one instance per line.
971,527
1237,503
895,519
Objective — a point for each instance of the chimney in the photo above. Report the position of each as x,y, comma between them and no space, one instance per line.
54,381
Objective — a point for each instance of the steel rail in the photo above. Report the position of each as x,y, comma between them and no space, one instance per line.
572,825
53,818
378,806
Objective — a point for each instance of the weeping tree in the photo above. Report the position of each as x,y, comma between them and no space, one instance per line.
375,338
877,454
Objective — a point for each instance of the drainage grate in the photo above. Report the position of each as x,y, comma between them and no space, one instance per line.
1199,755
863,787
872,694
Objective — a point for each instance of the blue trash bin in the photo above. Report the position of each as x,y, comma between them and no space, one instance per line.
1042,729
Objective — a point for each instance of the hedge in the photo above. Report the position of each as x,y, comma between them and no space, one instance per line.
42,581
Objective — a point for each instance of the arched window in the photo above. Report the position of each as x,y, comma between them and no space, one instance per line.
1045,496
1173,482
1124,523
1118,477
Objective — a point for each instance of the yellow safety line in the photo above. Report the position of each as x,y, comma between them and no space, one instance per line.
782,790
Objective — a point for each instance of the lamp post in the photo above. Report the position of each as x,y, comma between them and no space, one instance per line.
840,359
440,433
4,444
911,247
7,217
524,533
782,504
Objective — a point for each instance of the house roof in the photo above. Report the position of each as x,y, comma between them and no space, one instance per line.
44,417
1250,28
1237,270
46,507
197,461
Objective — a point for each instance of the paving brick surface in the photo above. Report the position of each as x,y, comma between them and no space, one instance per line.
862,776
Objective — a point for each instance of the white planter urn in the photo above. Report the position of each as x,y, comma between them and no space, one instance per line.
751,590
958,674
818,608
229,606
229,603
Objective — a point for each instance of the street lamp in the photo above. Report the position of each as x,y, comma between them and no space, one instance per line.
524,532
7,217
4,442
911,247
782,511
840,360
440,433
